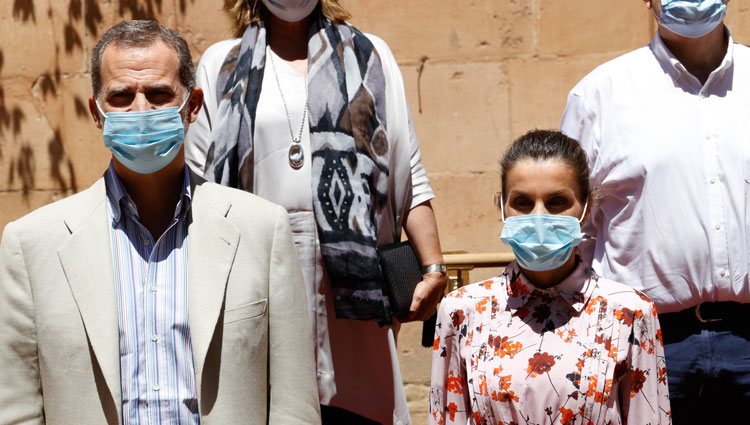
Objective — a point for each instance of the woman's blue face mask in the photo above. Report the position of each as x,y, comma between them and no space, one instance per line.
144,141
542,242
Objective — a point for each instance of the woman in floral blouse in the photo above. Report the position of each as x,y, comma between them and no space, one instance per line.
548,341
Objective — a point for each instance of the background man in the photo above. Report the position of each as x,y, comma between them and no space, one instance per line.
150,297
666,131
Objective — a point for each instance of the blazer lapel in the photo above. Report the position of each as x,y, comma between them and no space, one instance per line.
86,259
213,245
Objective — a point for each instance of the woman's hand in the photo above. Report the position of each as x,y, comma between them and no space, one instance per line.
421,228
426,296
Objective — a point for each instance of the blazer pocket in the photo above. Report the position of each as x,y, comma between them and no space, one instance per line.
245,311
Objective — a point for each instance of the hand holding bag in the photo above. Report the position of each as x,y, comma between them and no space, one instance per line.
402,272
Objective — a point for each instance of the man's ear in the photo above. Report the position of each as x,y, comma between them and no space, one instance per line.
195,104
94,111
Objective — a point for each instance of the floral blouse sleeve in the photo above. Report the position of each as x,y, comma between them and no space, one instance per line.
643,398
450,397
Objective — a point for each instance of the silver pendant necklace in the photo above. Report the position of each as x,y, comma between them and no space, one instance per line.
296,153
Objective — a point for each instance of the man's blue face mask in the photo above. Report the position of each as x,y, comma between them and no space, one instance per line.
692,18
542,242
144,141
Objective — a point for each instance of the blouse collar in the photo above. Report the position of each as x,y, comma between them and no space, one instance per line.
575,289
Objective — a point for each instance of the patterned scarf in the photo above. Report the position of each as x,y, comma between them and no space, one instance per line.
350,158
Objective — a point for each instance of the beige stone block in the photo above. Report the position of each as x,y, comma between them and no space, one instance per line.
738,21
448,30
27,39
592,26
102,15
81,155
25,163
202,24
16,204
539,88
464,114
417,398
414,359
69,20
467,219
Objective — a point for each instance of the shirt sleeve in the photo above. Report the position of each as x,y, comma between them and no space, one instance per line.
579,123
198,137
402,133
643,392
449,392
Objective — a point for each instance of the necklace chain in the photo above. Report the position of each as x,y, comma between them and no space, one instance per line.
297,139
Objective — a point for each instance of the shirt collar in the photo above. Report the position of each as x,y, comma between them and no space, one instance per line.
119,198
575,289
673,66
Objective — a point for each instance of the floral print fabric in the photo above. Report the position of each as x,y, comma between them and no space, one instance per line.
587,351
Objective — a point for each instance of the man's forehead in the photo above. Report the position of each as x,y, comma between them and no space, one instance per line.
153,62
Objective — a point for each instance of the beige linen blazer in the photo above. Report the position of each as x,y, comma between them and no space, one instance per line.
59,340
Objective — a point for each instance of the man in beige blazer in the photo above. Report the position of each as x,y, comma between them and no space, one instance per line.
88,322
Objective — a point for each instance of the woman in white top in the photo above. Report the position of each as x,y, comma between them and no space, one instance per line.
308,112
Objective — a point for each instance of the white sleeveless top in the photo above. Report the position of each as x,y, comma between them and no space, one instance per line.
275,180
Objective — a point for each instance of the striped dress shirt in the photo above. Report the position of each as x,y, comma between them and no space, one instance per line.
156,358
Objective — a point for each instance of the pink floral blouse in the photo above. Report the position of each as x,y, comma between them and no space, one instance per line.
588,351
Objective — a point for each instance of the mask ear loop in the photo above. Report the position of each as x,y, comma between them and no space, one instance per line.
583,215
502,209
184,102
102,114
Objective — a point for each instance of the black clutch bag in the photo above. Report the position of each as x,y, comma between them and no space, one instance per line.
402,272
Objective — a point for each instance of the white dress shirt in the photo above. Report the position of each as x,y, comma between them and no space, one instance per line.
669,157
157,372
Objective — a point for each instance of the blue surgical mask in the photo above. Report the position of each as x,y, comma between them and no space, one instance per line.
692,18
542,242
144,141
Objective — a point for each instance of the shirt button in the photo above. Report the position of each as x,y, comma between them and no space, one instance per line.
722,272
156,388
717,227
154,288
713,181
146,241
154,338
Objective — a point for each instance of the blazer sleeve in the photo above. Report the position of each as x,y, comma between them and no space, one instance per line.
21,390
291,372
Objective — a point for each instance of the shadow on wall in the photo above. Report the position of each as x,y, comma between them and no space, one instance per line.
80,27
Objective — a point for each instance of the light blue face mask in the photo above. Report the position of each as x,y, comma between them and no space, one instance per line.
692,18
144,141
542,242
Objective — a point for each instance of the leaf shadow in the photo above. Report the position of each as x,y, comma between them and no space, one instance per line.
60,163
92,16
24,167
24,10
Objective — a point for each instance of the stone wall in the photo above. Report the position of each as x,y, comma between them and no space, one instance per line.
477,72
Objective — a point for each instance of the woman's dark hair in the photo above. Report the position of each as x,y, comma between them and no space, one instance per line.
540,145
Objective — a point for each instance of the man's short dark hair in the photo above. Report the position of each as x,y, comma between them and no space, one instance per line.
142,34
